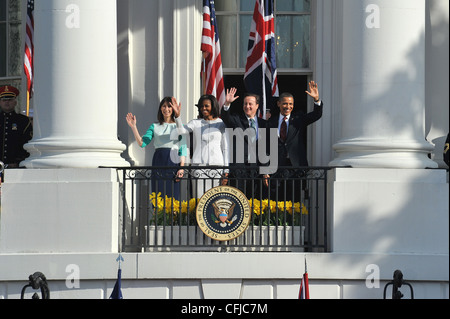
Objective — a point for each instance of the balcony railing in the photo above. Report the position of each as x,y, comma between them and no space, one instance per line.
288,210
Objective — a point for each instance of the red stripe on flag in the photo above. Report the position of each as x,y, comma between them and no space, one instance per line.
29,47
304,287
213,60
260,70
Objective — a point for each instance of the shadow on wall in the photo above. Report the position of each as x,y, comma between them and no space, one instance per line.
390,224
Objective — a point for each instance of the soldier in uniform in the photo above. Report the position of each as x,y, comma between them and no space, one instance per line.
15,129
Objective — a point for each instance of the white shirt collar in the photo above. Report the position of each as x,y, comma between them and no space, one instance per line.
281,117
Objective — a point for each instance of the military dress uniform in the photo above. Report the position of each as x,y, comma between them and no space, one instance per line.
15,131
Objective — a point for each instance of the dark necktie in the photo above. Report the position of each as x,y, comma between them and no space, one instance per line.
253,126
283,130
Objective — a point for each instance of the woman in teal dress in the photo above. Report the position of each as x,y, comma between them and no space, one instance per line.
170,151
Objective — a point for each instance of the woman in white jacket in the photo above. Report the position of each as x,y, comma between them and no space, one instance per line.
210,143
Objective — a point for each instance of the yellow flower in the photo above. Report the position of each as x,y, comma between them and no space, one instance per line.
256,206
300,208
192,205
264,205
282,205
160,205
154,198
184,207
288,207
176,205
304,210
273,206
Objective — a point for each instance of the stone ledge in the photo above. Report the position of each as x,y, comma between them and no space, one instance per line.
206,266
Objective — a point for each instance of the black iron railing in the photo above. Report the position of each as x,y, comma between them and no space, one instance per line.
288,210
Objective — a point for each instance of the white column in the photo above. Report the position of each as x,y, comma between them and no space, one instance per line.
383,85
187,23
437,79
75,115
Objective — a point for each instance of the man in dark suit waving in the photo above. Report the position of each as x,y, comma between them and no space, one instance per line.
291,133
247,130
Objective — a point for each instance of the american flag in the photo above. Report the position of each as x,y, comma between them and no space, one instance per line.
261,68
212,71
29,47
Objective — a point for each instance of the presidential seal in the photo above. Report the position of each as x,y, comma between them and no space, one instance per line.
223,213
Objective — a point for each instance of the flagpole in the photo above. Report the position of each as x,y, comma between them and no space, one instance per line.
263,91
204,75
203,78
28,103
306,266
119,259
304,284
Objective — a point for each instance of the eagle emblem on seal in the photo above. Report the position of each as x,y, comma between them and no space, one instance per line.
223,211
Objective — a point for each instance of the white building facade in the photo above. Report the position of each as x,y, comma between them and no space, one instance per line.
382,71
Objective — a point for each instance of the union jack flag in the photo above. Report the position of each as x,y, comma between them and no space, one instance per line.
261,68
212,71
29,47
304,287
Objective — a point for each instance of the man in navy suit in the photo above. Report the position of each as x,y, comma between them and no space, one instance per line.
291,135
247,130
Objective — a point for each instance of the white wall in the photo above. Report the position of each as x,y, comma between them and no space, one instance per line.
60,210
389,211
250,276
